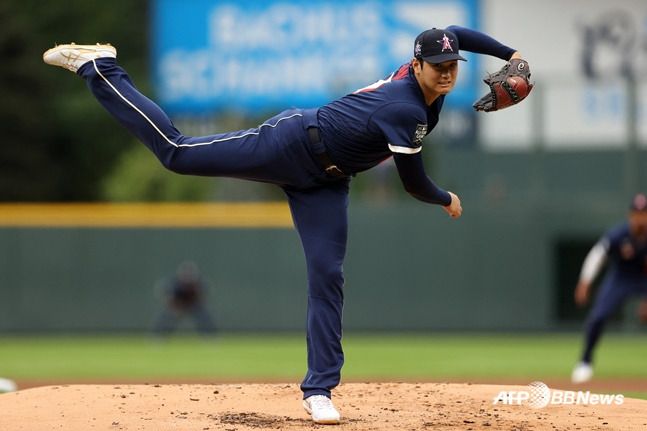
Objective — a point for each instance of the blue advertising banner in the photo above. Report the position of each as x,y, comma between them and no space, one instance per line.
254,56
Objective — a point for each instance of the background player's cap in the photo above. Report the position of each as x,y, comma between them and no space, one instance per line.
436,46
638,203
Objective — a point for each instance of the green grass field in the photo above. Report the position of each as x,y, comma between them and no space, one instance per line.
271,357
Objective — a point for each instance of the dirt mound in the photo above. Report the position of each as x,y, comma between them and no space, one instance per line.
363,406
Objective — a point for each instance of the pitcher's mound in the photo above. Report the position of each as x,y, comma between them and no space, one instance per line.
363,406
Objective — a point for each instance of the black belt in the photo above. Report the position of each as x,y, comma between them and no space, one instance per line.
329,166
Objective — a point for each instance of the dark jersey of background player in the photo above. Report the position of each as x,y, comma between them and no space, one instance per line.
627,253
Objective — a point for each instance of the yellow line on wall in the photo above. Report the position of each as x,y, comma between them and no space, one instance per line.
142,215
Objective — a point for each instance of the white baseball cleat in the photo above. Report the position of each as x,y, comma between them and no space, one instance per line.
73,56
321,409
583,372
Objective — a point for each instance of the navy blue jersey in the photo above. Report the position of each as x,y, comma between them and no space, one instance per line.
626,254
364,128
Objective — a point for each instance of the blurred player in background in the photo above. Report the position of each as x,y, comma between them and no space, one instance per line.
624,248
184,296
312,155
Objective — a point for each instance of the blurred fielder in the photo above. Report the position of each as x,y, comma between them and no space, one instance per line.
312,155
624,248
184,295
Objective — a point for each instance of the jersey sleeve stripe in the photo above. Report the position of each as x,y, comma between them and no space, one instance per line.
404,150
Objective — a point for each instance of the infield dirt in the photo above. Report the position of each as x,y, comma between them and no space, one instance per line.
238,407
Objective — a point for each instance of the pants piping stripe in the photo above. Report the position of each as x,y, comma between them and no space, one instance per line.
197,144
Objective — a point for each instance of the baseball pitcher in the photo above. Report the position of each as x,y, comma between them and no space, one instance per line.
312,154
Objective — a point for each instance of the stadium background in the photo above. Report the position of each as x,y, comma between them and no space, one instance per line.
539,183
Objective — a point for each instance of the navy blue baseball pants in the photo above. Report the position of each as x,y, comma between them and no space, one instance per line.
616,288
279,151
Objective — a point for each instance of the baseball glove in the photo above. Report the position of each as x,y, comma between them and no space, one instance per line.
509,86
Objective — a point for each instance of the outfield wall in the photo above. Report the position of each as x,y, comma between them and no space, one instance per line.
408,266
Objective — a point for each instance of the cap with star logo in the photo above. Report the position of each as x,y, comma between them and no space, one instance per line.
436,46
